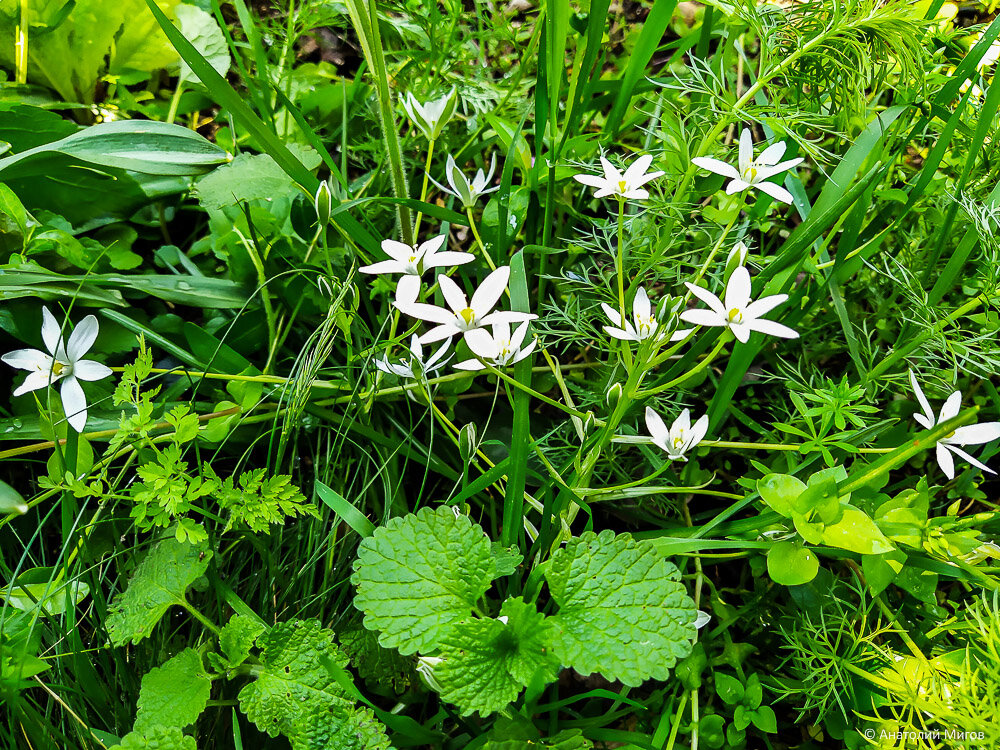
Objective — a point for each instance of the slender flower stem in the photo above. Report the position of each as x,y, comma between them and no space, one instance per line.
535,394
715,249
423,189
479,240
689,374
621,277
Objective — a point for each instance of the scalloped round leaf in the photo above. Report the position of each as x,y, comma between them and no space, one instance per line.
487,662
622,609
419,574
298,669
342,726
791,564
173,694
157,738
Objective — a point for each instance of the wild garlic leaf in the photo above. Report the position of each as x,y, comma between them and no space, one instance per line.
568,739
419,574
299,666
174,694
157,738
622,609
159,583
486,662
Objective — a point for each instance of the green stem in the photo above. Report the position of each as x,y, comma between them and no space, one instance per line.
175,101
479,240
200,617
423,188
705,362
718,245
535,394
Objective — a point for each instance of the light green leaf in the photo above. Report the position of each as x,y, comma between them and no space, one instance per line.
200,28
174,694
505,559
622,609
159,583
881,570
764,719
780,491
298,672
11,501
856,532
341,726
236,638
248,177
487,662
728,688
419,574
383,667
45,590
157,738
569,739
142,44
791,564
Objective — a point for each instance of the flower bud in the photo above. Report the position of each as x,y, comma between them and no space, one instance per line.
614,395
467,442
323,202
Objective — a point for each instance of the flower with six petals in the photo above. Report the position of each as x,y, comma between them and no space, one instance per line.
62,362
466,190
973,434
627,186
753,173
499,349
415,366
738,314
682,435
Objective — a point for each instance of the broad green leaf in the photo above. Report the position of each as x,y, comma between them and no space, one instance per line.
67,52
505,559
568,739
159,583
728,688
201,29
419,574
764,719
622,609
174,694
248,177
881,570
857,532
237,637
382,667
487,662
779,491
157,738
144,146
142,45
11,501
298,671
49,597
791,564
341,726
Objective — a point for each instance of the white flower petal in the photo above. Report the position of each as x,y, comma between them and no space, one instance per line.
82,338
407,289
470,364
423,311
952,406
453,294
431,246
489,292
764,305
34,381
482,344
714,303
591,180
89,370
945,461
922,400
972,460
74,403
975,434
656,427
738,289
640,305
717,166
50,331
775,191
620,334
698,431
771,328
506,316
701,317
741,331
772,154
737,186
447,259
28,359
746,150
397,250
612,314
384,266
439,333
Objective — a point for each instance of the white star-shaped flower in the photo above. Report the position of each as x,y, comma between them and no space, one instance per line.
466,190
738,314
753,173
464,315
645,323
414,366
431,118
973,434
682,435
414,261
499,349
63,361
627,186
